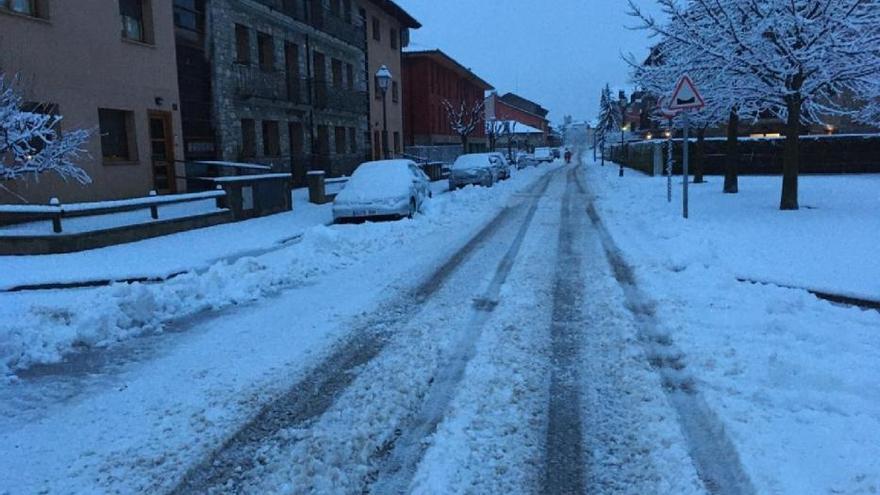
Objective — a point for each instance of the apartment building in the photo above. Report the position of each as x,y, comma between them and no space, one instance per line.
107,65
274,82
430,77
388,28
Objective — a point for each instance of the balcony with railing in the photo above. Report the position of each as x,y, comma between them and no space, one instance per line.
335,97
253,82
345,27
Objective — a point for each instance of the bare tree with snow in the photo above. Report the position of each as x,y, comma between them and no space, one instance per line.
30,143
464,118
791,56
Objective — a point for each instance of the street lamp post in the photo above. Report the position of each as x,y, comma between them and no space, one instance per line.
383,78
622,129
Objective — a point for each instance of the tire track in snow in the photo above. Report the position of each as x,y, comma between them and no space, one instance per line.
225,470
564,468
714,454
408,449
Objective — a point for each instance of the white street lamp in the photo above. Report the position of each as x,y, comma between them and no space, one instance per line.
383,79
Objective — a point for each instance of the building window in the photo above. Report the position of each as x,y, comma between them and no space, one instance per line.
50,109
339,135
242,44
336,72
289,7
395,92
24,7
349,76
248,138
352,140
117,135
135,20
377,29
394,39
266,47
346,10
190,15
396,143
271,139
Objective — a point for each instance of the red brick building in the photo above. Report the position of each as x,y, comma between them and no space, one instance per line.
514,107
429,77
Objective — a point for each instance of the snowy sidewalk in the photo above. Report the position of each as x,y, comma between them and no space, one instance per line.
161,257
792,379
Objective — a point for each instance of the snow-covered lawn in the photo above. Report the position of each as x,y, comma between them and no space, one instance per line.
794,379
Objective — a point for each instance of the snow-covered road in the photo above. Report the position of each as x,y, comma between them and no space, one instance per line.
498,353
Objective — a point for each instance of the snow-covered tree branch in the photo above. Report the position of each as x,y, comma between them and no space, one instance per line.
464,118
791,58
30,143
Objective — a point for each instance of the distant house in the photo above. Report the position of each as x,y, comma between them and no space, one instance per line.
528,114
429,78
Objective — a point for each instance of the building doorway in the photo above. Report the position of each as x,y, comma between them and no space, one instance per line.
162,152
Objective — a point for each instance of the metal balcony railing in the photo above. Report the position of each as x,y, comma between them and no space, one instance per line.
277,85
349,29
332,97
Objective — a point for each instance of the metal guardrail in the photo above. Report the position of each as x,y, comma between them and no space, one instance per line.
55,211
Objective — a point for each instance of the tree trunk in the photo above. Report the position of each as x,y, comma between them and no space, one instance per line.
464,144
700,155
731,158
791,158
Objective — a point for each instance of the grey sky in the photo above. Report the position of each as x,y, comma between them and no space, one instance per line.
557,52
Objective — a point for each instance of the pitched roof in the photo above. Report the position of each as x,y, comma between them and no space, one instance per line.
396,11
524,104
443,59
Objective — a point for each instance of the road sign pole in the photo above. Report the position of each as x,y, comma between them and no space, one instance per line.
669,165
684,166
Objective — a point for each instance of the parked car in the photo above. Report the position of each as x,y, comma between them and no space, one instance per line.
556,153
503,166
475,168
524,160
543,154
382,189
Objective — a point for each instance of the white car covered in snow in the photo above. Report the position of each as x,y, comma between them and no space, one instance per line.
382,189
479,169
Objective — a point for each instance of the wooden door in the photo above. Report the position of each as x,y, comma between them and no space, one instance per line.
162,152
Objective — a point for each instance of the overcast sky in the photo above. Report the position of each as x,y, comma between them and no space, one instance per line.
558,53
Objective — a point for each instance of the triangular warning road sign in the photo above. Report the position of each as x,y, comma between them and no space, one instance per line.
686,96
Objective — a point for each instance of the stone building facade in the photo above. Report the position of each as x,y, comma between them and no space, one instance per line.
285,82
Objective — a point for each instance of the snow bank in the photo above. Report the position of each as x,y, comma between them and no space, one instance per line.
793,379
46,331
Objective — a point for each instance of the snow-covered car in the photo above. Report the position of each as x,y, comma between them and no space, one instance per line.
524,160
476,168
502,167
544,154
382,189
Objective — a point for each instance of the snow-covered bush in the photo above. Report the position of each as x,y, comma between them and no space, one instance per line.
30,143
